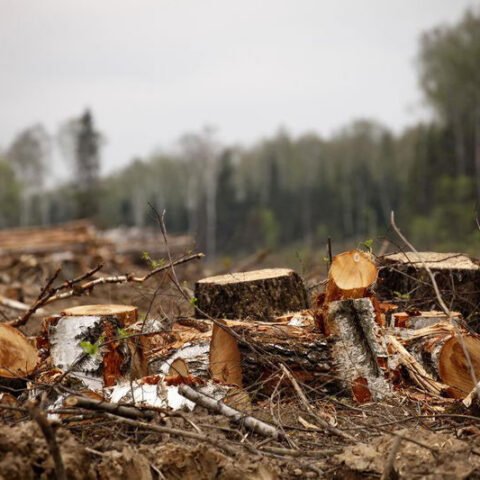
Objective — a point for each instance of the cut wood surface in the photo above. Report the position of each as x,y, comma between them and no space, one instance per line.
18,357
89,341
404,279
126,314
350,275
259,294
225,360
440,348
358,349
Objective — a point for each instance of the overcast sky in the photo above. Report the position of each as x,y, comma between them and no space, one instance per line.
152,70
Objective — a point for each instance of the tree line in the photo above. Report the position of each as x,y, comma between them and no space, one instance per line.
284,189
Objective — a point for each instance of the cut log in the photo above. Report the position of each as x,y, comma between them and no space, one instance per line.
417,320
18,357
350,275
260,294
358,349
91,342
403,279
440,347
265,345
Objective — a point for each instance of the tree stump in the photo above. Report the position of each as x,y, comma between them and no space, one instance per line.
18,357
259,294
357,348
404,279
91,342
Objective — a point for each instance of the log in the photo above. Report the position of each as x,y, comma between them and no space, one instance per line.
18,357
416,319
358,350
265,345
259,295
404,280
440,348
90,341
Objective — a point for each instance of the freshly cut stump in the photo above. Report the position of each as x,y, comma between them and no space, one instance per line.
91,342
350,275
18,357
358,350
404,279
259,294
440,348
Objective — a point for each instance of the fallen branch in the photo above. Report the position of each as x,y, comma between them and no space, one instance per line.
254,424
70,288
113,408
15,305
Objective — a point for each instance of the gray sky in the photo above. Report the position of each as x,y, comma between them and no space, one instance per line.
153,69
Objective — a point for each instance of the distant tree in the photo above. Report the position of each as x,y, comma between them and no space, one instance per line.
449,64
10,195
82,143
29,155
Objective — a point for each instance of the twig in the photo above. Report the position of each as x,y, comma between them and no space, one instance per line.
320,421
15,304
49,433
254,424
389,472
114,408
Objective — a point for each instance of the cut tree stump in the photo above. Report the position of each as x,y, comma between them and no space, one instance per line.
350,275
91,342
403,279
358,348
259,294
440,348
18,357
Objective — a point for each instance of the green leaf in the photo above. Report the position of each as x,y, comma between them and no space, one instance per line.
367,244
123,332
89,348
193,301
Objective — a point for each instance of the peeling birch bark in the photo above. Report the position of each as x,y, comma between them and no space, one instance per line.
358,349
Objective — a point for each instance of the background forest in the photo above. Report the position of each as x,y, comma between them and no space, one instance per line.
283,190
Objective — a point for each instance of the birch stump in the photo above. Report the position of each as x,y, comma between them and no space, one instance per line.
358,349
259,294
18,357
91,342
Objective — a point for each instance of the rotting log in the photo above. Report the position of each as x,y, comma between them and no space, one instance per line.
265,345
259,294
91,342
358,348
404,280
441,349
18,357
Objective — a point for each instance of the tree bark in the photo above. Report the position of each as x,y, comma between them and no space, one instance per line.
260,294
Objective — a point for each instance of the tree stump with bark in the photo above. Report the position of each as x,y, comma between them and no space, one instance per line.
260,295
404,279
91,342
